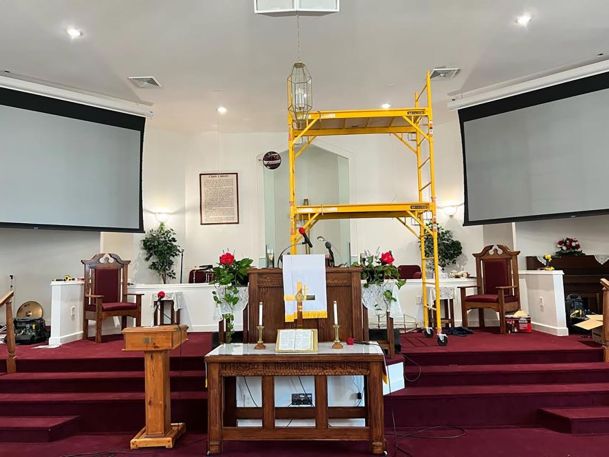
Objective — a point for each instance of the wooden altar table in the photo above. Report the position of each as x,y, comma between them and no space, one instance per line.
229,361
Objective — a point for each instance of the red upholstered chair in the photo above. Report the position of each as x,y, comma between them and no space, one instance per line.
106,293
409,271
497,288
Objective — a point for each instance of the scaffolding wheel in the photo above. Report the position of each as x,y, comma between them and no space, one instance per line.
442,339
428,332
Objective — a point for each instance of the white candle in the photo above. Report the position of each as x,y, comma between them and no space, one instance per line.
335,314
260,314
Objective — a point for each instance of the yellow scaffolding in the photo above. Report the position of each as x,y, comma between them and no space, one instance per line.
413,128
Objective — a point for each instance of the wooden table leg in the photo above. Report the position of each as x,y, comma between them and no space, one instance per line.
230,401
321,402
268,402
374,406
214,409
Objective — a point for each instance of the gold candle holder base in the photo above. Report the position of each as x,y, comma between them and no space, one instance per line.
260,343
337,344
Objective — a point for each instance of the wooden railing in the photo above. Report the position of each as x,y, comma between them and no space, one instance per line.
605,337
7,301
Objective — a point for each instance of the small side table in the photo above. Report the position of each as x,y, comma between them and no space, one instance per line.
447,301
159,313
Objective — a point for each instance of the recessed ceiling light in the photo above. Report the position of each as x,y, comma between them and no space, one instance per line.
222,110
523,20
74,33
385,106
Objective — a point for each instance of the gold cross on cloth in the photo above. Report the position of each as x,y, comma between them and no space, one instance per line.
299,297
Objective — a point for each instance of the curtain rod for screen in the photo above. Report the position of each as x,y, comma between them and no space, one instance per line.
17,82
459,100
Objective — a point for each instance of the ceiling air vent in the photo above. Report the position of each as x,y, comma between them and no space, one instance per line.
444,73
292,7
144,82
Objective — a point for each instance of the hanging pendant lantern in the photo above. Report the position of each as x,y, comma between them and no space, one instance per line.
301,91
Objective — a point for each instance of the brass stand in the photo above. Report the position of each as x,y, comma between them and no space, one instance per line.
260,343
337,344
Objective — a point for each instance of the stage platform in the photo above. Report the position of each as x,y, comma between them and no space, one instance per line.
482,380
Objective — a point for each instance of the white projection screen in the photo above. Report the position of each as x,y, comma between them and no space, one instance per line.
538,155
69,166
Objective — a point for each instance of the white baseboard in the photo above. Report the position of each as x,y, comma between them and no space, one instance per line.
544,328
58,341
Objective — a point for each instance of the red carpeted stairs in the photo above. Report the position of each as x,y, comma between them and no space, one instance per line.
87,388
504,380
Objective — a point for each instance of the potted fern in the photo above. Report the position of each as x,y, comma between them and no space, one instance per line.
161,248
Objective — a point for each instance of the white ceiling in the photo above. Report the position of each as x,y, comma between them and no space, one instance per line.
217,52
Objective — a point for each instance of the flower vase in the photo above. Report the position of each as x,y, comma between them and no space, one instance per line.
230,300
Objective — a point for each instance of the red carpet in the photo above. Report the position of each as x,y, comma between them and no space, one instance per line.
502,442
482,380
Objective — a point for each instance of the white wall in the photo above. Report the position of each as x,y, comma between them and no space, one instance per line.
539,237
36,257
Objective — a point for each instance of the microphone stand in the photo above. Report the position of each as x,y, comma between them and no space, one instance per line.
280,258
181,265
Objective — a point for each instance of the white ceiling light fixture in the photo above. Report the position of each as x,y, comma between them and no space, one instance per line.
74,33
288,7
386,106
222,110
444,73
524,19
144,82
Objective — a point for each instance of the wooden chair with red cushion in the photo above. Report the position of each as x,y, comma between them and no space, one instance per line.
497,285
106,293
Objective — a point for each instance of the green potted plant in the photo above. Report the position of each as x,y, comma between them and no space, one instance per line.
449,249
161,246
231,293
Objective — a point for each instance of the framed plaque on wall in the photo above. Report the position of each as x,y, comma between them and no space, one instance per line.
219,198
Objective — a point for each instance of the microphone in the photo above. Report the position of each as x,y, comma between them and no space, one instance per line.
307,240
328,246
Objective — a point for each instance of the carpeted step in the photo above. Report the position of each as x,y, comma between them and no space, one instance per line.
592,419
101,381
527,373
105,411
494,405
185,363
37,429
583,355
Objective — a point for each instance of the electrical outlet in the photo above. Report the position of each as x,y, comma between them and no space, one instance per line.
73,312
541,304
302,399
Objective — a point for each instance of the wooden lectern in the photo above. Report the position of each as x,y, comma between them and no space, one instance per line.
156,342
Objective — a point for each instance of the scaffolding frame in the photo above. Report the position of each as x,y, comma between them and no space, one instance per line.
413,128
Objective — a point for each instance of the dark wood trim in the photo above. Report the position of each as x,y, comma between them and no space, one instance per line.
201,198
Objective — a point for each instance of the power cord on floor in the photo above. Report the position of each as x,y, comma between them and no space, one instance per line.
418,376
420,434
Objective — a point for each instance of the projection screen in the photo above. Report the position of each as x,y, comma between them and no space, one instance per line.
538,155
71,166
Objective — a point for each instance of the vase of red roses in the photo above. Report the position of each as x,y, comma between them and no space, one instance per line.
568,246
380,277
230,293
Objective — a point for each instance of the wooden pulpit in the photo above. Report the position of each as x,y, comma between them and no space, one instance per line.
343,286
156,342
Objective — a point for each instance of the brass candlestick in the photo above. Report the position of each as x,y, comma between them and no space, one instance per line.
337,344
260,343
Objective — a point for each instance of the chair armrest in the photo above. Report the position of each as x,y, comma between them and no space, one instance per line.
507,287
467,287
93,296
135,294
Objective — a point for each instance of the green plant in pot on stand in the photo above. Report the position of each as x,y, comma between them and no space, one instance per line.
449,249
161,246
231,294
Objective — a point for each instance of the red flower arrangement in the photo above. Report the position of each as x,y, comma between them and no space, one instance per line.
227,259
568,246
387,258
